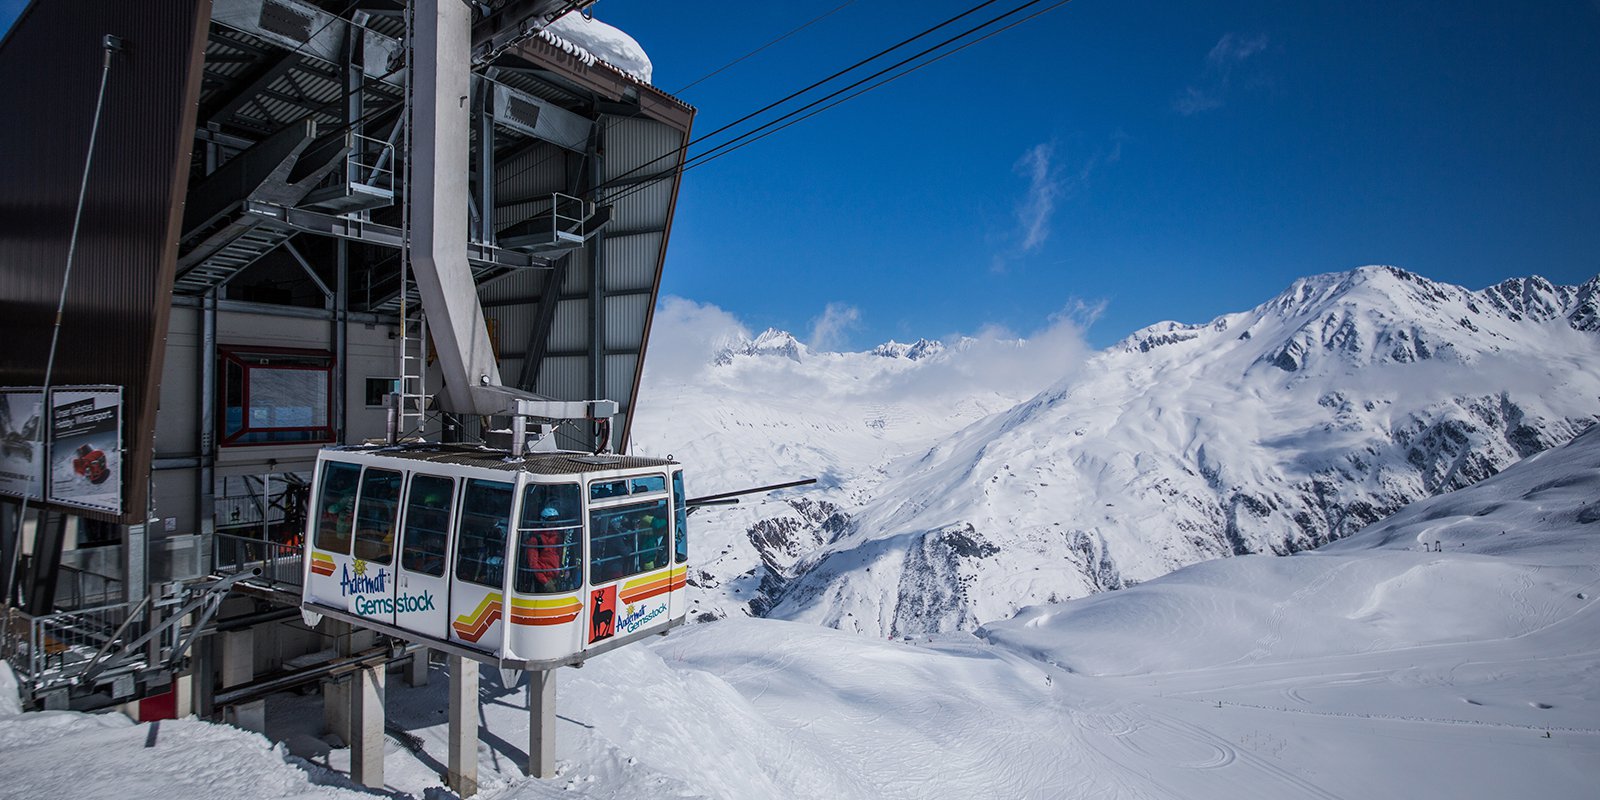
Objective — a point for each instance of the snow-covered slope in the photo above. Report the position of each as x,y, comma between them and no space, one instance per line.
1515,555
1269,431
767,409
1369,668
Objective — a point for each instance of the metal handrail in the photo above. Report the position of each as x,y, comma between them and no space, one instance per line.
280,564
378,172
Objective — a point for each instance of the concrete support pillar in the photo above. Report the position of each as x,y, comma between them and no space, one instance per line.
417,670
463,777
336,693
183,695
542,723
366,726
238,658
238,669
202,676
336,709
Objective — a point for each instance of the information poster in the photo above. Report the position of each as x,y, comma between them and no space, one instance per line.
86,448
22,438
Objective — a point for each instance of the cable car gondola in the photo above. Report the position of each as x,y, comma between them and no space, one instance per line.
524,563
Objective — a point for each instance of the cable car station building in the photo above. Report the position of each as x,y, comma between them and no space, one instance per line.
215,297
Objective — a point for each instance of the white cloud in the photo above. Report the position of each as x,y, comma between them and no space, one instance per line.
1211,91
1049,181
829,329
1044,186
685,336
997,359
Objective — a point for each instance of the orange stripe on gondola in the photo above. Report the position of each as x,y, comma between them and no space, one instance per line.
322,566
633,593
473,626
545,611
547,620
642,591
476,632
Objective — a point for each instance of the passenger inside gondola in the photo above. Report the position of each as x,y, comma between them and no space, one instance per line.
549,536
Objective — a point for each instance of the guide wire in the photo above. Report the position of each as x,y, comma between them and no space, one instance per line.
690,163
701,161
791,96
757,51
111,45
762,132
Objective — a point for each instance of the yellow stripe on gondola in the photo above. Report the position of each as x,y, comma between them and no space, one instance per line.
544,610
473,626
654,584
321,563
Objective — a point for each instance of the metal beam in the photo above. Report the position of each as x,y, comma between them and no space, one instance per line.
542,354
484,119
248,87
343,227
594,252
504,302
539,333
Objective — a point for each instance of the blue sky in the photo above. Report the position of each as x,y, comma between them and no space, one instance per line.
1150,160
1156,160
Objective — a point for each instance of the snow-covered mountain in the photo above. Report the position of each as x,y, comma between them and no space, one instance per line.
1267,431
1273,430
767,409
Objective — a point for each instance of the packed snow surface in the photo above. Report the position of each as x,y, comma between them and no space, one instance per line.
1382,666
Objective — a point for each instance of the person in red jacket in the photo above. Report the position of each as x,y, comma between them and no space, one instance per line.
545,552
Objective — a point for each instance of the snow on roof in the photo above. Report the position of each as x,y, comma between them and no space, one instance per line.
592,40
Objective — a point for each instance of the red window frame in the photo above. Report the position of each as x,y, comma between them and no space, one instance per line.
237,355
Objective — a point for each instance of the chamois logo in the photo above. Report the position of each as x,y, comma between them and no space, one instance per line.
602,614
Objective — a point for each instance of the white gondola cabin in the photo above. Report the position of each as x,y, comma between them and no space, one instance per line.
527,563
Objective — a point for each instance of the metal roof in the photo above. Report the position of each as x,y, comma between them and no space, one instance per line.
466,455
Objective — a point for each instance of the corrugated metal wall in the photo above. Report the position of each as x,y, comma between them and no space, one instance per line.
117,306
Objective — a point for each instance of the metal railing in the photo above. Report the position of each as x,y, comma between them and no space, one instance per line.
280,564
371,162
78,588
53,650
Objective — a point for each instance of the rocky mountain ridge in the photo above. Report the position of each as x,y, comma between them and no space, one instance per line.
1273,430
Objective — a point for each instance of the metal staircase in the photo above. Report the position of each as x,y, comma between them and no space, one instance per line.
230,258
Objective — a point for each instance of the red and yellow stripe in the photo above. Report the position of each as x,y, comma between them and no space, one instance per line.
544,610
321,563
656,583
471,627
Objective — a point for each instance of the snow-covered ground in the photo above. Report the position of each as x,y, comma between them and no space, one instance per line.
1375,667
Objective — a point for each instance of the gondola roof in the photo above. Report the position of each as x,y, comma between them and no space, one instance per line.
472,455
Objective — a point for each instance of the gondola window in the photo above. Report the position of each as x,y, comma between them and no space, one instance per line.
626,540
427,524
485,511
549,550
681,535
336,506
376,517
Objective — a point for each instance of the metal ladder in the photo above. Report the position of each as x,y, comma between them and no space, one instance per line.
411,387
